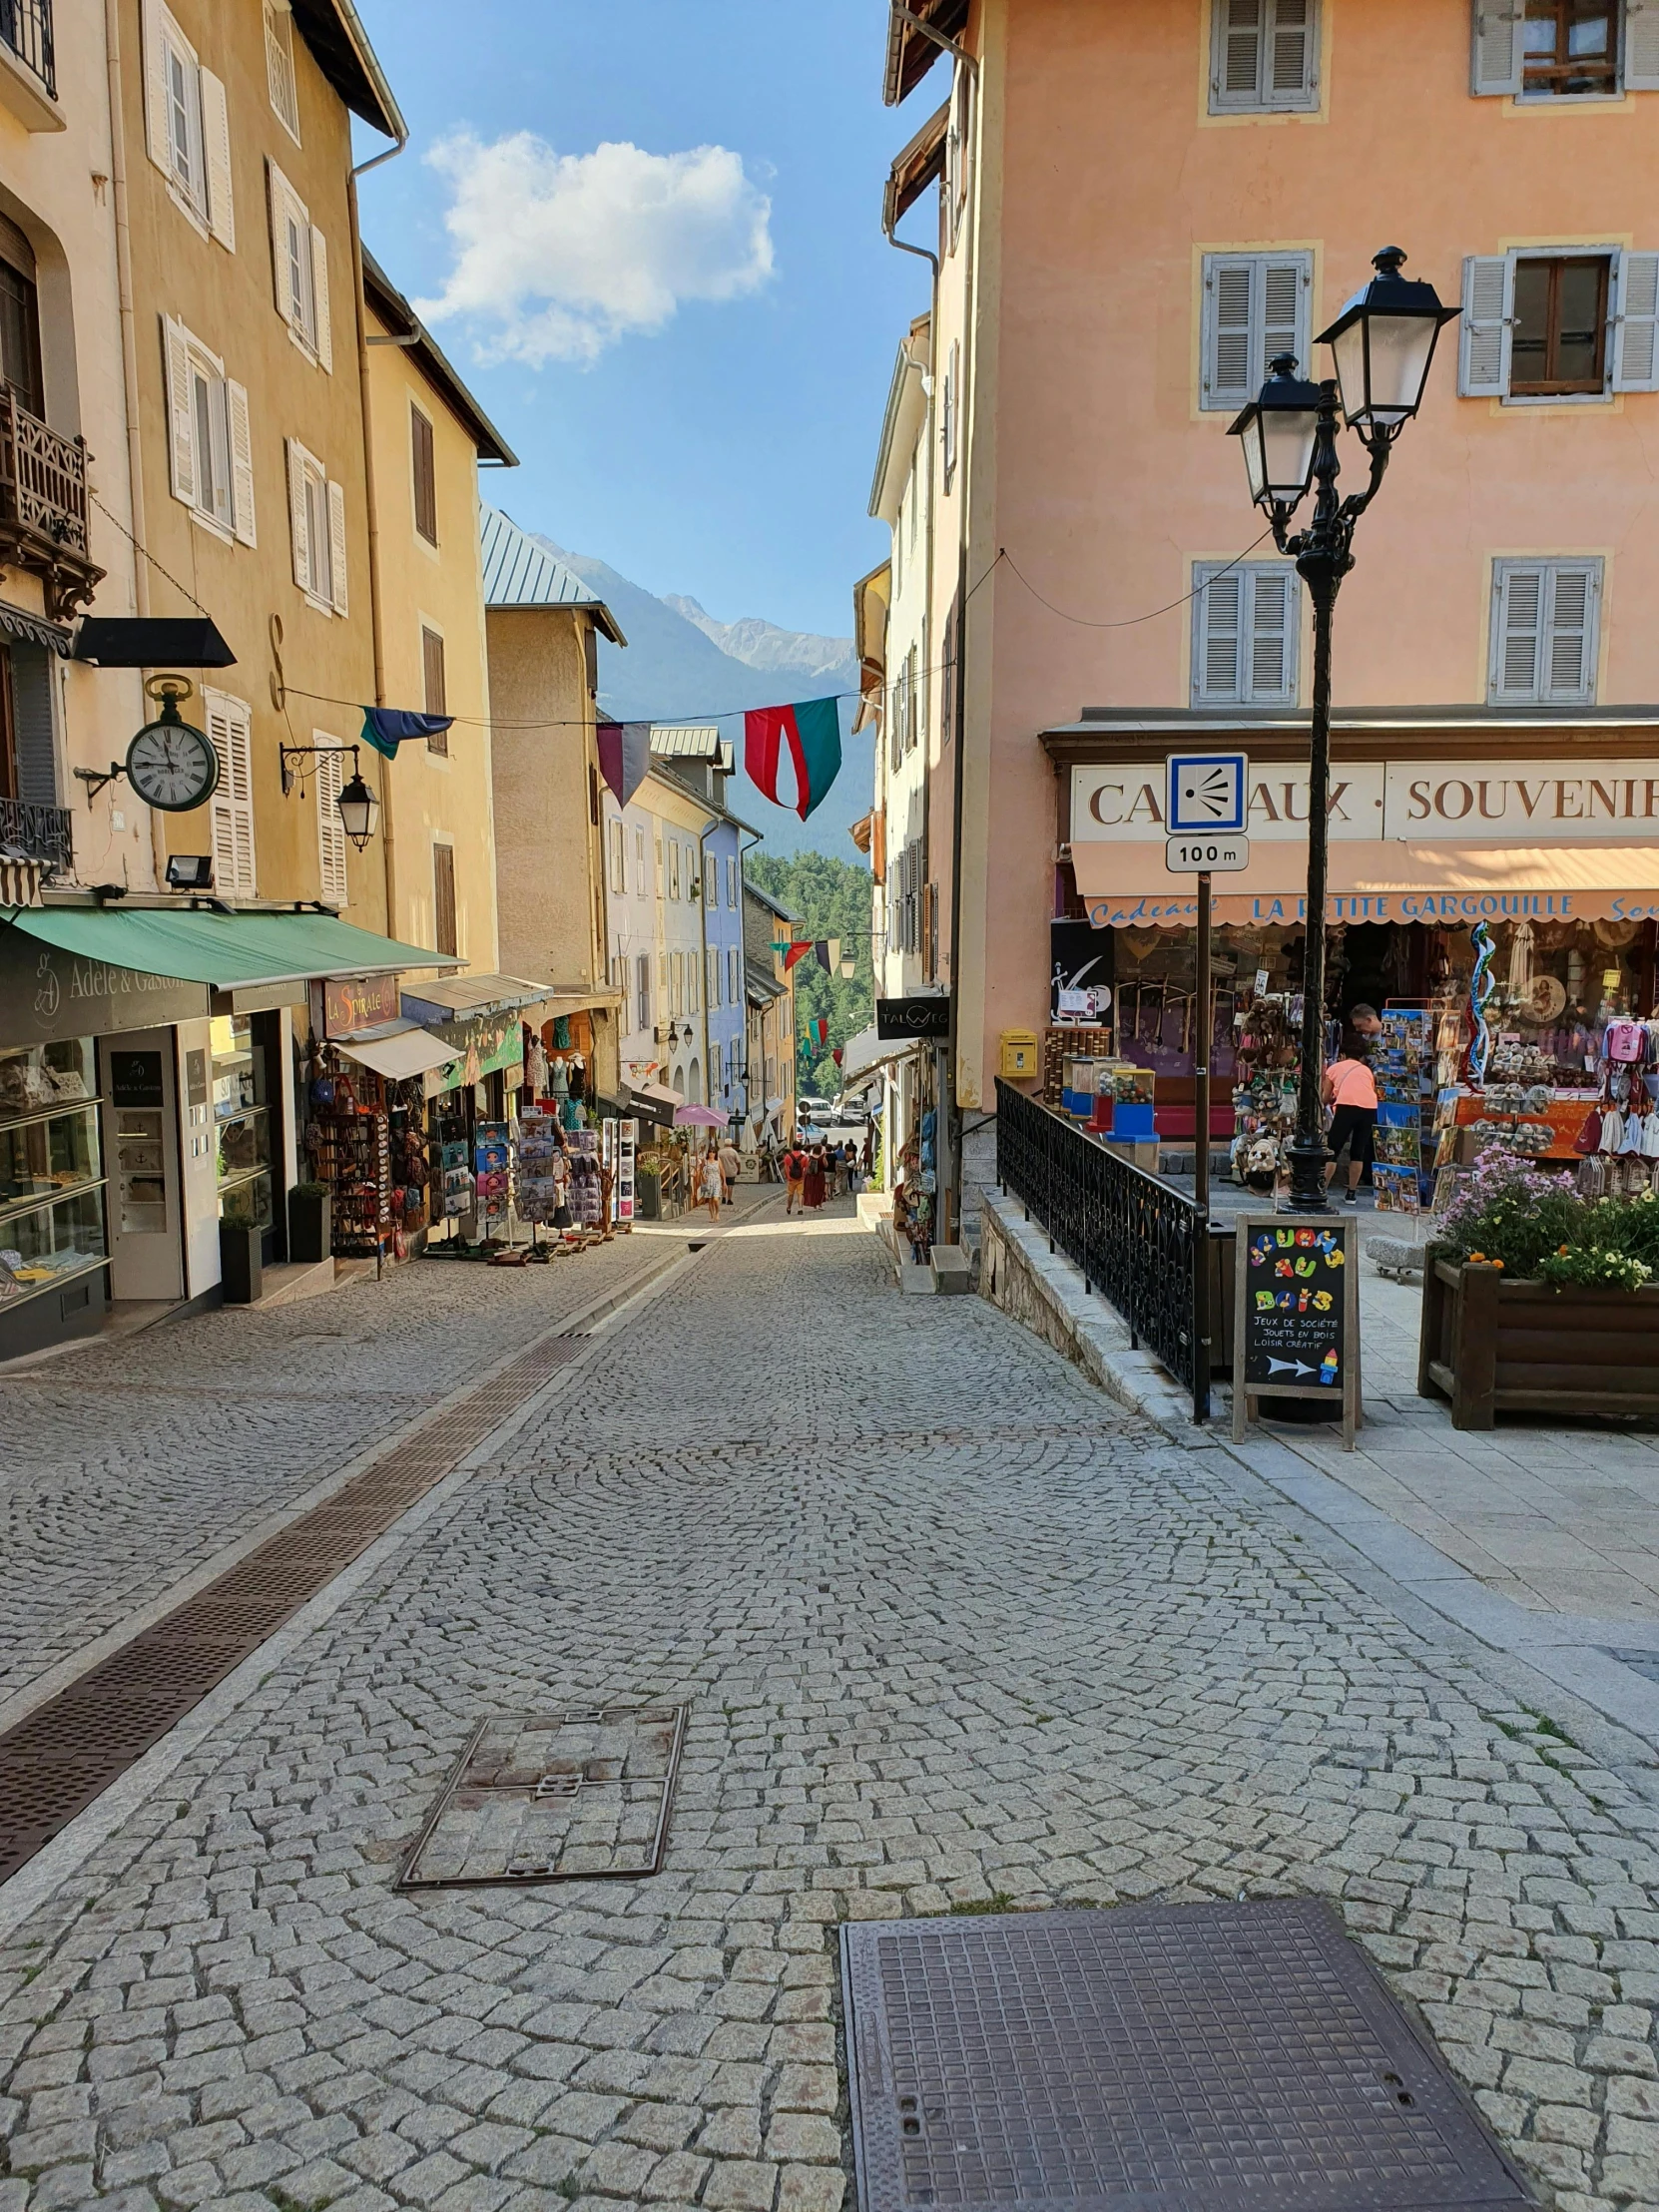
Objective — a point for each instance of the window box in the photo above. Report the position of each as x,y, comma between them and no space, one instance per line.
1489,1346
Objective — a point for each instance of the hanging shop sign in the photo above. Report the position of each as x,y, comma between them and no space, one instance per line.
483,1045
47,994
925,1017
1297,1317
354,1002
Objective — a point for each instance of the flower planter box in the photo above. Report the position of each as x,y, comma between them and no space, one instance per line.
1491,1345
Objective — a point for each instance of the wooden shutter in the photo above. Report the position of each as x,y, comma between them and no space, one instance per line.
1495,49
181,417
1570,609
1254,306
278,65
230,727
1292,57
34,724
241,463
1517,631
423,466
1270,596
216,146
336,548
298,530
280,194
1636,325
1218,628
323,322
157,133
1236,73
1641,44
330,830
1483,343
443,900
1284,287
435,689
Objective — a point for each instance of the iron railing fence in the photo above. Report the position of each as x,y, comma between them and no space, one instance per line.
34,833
43,476
1139,1242
26,27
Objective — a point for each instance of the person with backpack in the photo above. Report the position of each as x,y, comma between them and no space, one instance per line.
795,1173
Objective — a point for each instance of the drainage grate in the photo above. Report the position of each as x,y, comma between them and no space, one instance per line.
1239,2057
69,1750
580,1795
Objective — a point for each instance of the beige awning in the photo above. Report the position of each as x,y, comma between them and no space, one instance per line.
1127,886
400,1053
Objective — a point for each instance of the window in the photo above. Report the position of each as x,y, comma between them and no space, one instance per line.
734,980
712,961
675,994
732,883
674,867
424,464
958,149
443,900
1564,49
1263,54
230,727
1255,305
1546,626
642,988
717,1073
1245,622
211,442
639,859
299,266
330,830
711,879
278,65
1559,326
28,724
186,126
950,400
316,516
619,858
435,686
20,330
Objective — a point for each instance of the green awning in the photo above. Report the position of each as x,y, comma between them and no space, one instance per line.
224,950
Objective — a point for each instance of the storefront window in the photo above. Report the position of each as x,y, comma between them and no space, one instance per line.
51,1168
241,1120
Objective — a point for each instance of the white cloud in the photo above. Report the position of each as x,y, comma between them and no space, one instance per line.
567,253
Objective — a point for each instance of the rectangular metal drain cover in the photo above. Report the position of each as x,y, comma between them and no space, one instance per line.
1153,2059
555,1797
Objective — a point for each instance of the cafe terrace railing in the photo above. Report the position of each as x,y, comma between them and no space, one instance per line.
1139,1242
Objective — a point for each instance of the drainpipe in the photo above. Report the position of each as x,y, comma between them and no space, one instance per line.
388,840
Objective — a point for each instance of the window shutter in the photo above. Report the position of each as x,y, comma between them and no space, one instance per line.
1569,675
1636,326
242,464
1228,294
1495,49
215,143
1272,655
1517,630
319,300
1290,54
278,64
1483,349
330,830
336,547
1282,287
157,135
280,191
229,725
1219,611
34,724
443,900
297,514
1641,44
1236,71
180,444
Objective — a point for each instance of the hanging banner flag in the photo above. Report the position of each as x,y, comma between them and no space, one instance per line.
812,730
624,756
385,728
827,954
797,952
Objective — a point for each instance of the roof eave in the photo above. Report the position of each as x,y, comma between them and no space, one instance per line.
395,311
335,33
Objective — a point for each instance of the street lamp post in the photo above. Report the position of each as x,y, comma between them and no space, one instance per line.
1383,342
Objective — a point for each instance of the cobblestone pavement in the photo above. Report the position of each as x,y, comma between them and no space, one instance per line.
955,1632
127,1464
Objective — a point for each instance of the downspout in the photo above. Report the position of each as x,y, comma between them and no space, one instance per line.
388,836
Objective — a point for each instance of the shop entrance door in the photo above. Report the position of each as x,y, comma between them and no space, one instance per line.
137,1077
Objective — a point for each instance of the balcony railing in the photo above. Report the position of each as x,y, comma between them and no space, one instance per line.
43,506
26,27
31,832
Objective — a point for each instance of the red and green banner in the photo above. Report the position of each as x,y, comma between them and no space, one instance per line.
812,730
797,952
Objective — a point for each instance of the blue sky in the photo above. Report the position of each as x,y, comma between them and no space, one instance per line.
720,443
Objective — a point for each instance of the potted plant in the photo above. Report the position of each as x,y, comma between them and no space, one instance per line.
1537,1301
311,1222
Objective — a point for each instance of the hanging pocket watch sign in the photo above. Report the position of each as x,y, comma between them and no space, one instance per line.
171,764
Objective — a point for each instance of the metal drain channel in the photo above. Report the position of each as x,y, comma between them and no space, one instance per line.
67,1752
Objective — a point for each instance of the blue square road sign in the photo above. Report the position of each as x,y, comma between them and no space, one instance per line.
1206,792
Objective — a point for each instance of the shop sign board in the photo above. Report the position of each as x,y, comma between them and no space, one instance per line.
136,1079
48,994
354,1002
926,1016
1191,856
1295,1330
1207,794
484,1043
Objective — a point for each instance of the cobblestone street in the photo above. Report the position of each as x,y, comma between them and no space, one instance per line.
956,1632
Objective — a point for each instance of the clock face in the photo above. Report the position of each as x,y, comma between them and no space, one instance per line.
172,766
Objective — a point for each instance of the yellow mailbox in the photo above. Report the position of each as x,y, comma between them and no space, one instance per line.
1019,1055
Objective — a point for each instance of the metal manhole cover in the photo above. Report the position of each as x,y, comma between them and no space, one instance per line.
1152,2058
557,1797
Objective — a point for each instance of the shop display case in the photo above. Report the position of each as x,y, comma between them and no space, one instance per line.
51,1168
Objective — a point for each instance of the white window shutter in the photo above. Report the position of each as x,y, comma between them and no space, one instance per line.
1569,672
1270,643
241,463
296,514
1641,44
1483,342
157,131
1517,631
330,830
319,300
1238,52
1636,325
229,725
1285,286
180,444
1292,57
279,191
1229,295
216,141
1217,639
336,547
1495,49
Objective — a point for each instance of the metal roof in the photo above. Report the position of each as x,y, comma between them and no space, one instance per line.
685,741
520,573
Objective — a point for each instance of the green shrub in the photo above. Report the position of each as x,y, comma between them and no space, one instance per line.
1595,1268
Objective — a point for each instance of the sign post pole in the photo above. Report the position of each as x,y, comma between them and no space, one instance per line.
1200,1064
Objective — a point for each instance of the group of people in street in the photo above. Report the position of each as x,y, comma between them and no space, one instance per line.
815,1173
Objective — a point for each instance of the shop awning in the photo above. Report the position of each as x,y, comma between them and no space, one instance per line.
226,950
456,997
1127,886
399,1051
866,1052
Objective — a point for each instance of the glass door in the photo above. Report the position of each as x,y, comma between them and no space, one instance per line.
242,1126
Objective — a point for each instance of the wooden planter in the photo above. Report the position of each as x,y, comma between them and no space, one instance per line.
1493,1346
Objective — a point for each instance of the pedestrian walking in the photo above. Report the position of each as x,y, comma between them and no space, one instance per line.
795,1173
731,1166
1350,1090
710,1184
813,1190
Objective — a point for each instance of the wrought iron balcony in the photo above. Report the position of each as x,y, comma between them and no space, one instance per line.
43,506
26,27
31,832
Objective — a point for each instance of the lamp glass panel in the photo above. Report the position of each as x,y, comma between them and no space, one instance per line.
1250,440
1288,441
1400,349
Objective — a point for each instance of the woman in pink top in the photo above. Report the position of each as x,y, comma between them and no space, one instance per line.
1350,1093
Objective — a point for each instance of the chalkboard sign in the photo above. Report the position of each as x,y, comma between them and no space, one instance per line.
1297,1314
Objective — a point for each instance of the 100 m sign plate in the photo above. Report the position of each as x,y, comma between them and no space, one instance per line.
1197,856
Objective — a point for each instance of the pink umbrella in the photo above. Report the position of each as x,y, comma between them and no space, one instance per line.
698,1117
